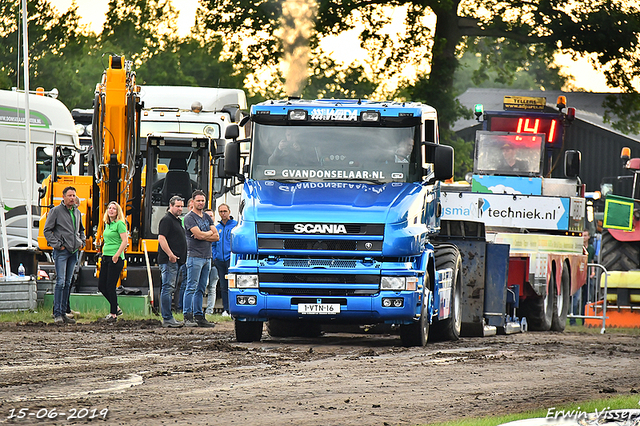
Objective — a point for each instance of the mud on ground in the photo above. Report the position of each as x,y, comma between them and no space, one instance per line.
138,373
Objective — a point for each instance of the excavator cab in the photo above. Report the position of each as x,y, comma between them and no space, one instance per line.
187,168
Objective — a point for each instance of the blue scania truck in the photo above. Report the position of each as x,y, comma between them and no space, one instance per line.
339,224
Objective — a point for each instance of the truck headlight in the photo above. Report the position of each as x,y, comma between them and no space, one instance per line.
370,116
393,283
246,281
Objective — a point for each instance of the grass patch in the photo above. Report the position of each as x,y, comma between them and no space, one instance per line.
596,330
614,403
42,315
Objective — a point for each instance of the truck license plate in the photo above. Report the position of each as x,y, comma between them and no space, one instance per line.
318,308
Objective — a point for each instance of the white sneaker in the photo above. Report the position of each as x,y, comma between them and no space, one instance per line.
225,314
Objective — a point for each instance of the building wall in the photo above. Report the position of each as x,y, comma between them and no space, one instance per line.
600,152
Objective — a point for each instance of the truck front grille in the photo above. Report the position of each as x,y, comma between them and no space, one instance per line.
325,263
315,244
350,228
339,292
302,278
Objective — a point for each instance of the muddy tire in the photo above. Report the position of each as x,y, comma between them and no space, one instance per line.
539,310
448,256
417,334
248,331
559,321
618,255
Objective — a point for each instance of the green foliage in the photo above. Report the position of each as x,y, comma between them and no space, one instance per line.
626,110
64,56
623,402
57,50
498,63
509,37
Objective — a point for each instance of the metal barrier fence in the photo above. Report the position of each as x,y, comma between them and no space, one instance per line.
593,296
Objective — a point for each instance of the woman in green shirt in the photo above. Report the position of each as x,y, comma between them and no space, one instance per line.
115,240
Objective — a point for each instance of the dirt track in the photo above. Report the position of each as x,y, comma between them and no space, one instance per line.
143,373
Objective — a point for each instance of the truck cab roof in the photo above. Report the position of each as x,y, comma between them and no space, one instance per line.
342,109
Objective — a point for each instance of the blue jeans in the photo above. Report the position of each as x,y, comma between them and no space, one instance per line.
169,272
211,289
223,269
182,274
197,277
64,262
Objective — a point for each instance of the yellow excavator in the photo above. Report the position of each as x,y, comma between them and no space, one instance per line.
140,177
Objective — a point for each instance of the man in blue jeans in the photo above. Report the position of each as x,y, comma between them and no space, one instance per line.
223,253
64,232
172,254
213,276
201,232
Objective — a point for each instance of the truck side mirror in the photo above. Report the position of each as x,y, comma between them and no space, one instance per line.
234,112
232,132
441,156
220,169
232,159
572,161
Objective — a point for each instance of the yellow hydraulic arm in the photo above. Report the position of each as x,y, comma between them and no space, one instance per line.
115,145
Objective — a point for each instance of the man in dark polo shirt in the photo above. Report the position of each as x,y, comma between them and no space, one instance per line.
172,253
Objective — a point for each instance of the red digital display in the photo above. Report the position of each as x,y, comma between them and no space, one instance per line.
550,126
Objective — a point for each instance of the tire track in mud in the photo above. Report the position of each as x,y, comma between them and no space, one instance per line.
141,371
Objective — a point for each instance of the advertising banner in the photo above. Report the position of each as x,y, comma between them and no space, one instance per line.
514,211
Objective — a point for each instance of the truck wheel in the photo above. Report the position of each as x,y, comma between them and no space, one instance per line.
416,334
284,328
561,310
539,310
619,255
448,256
248,331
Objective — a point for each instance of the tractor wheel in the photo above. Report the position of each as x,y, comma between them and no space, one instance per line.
561,310
248,331
618,255
539,310
448,256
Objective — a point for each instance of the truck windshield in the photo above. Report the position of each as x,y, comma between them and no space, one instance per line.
328,153
504,153
147,127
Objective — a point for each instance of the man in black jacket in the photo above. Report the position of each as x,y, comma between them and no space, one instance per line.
65,234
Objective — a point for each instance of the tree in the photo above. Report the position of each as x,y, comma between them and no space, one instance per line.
498,63
55,42
139,28
606,28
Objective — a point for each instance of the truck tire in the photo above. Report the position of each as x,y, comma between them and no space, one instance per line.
448,256
619,255
539,310
559,321
285,328
248,331
417,333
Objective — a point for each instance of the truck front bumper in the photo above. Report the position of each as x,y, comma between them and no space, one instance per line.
393,307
